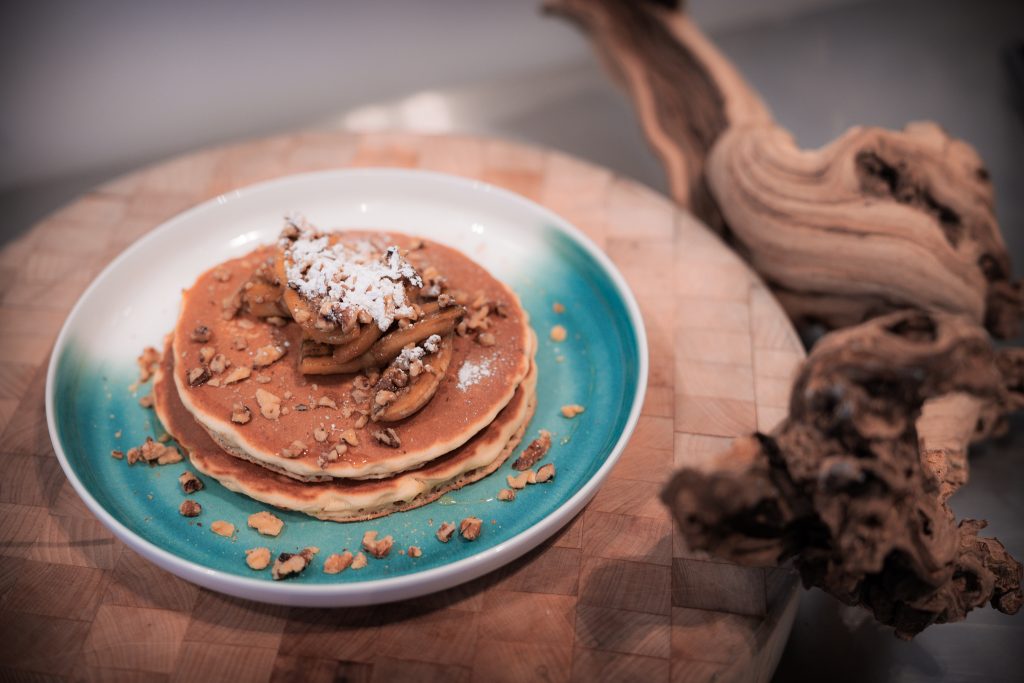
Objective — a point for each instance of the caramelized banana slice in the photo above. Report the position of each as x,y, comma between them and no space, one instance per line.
367,336
392,343
262,299
398,395
316,359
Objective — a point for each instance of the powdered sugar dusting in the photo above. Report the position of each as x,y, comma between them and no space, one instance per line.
412,354
349,276
472,372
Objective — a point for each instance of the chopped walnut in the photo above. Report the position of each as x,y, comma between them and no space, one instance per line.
486,339
200,334
349,436
445,531
326,402
294,450
230,306
320,434
262,379
572,410
289,564
198,375
148,363
266,355
222,275
361,421
206,353
146,401
117,455
240,413
276,321
470,528
507,495
133,455
521,480
257,558
246,324
332,455
557,307
378,547
337,563
169,456
387,437
302,316
215,382
189,508
219,363
558,333
537,449
545,473
190,483
385,397
359,561
239,344
266,523
222,528
237,375
415,551
270,405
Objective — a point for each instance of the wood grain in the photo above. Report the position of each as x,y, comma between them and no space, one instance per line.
614,594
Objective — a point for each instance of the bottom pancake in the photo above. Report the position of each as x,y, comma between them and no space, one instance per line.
347,500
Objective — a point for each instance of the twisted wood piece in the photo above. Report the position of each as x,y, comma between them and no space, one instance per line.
874,222
841,484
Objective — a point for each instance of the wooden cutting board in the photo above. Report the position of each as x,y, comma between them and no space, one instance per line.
613,596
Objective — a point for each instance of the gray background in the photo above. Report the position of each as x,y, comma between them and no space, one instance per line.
89,90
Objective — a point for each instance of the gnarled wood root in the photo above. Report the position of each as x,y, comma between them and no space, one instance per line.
842,484
875,221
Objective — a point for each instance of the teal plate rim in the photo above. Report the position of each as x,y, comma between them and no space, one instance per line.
392,588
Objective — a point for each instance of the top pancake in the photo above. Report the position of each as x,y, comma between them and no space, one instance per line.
457,411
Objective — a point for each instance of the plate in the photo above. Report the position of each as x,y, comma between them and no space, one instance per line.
602,365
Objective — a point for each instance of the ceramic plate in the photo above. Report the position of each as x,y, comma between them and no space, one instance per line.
134,303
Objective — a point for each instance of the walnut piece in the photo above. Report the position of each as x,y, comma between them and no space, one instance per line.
387,437
486,339
148,363
558,333
336,563
240,413
359,561
537,449
557,307
320,434
237,375
146,401
189,508
267,355
415,551
521,480
200,334
294,450
349,436
333,455
289,564
572,410
222,528
257,558
190,483
378,547
198,375
206,353
117,455
545,473
445,531
326,402
266,523
270,405
507,495
470,528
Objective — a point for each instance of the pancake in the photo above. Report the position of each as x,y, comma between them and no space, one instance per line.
347,500
480,380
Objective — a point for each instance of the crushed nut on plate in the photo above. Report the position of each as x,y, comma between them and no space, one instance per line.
545,473
267,355
146,401
470,528
359,561
507,495
378,547
289,564
522,479
190,483
445,531
537,449
415,551
240,413
118,455
237,375
266,523
387,437
257,558
557,307
294,450
338,562
572,410
190,508
198,375
201,334
270,405
558,333
222,528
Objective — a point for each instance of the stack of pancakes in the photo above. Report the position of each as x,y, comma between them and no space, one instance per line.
308,442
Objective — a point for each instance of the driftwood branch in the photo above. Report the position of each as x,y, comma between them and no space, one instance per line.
842,485
874,222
